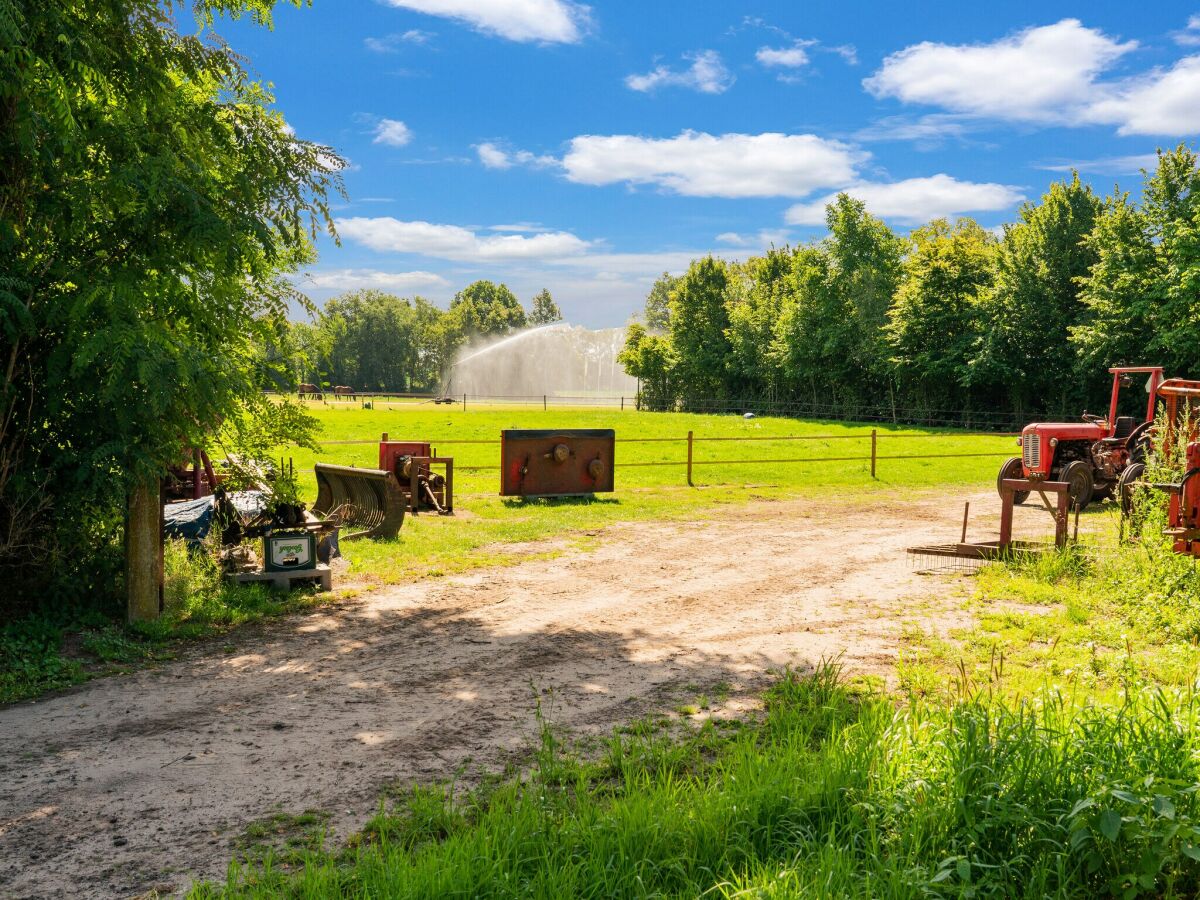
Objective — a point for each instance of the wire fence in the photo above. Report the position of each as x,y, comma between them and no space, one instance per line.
689,461
984,420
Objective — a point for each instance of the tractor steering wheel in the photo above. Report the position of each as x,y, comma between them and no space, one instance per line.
1095,420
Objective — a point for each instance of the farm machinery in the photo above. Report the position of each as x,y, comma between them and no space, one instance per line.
374,501
1090,456
575,462
1182,399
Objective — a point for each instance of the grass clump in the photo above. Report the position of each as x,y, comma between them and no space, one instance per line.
828,794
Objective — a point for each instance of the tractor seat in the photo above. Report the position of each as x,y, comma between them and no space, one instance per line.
1124,427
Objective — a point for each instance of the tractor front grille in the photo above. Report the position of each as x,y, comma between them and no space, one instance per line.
1031,451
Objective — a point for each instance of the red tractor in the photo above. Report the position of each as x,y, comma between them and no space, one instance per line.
1091,455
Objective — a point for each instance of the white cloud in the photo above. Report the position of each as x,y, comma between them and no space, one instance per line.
914,200
391,43
705,165
494,157
706,74
1109,165
547,21
1190,35
1038,75
392,132
1160,102
355,279
767,237
388,235
793,57
928,130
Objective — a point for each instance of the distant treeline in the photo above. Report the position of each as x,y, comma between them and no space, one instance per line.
375,341
950,317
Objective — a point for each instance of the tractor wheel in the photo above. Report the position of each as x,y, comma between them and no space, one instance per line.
1131,473
1012,469
1078,475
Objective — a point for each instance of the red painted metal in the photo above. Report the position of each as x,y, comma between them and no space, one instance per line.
556,463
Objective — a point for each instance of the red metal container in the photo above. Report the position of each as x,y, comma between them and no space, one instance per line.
556,462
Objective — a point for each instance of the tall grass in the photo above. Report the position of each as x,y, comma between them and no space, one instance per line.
827,795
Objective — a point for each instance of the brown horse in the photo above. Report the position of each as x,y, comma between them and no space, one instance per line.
309,390
344,390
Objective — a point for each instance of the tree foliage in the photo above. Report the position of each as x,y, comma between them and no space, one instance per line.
152,201
544,310
949,318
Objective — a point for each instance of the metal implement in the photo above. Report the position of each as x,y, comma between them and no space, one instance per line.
976,552
1092,454
369,501
413,462
556,462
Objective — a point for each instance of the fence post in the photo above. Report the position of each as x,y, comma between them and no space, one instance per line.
622,404
689,467
874,436
464,402
543,402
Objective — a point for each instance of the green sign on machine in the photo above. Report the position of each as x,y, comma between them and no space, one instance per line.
289,552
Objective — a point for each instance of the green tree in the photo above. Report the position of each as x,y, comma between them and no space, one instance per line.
1143,292
755,298
151,202
1026,360
377,341
657,311
651,359
544,310
934,321
483,308
699,319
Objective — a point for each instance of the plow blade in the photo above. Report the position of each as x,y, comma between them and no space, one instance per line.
367,502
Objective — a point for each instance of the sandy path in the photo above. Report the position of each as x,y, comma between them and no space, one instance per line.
143,780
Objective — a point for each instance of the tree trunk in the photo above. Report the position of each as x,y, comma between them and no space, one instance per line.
143,553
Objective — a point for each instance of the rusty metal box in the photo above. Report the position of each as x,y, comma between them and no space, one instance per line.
556,462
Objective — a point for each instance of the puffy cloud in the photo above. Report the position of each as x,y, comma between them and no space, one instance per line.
547,21
392,132
793,57
777,237
388,235
355,279
914,200
494,157
706,74
706,165
1161,102
1038,74
391,43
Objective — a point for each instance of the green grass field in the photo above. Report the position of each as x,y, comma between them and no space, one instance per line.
485,522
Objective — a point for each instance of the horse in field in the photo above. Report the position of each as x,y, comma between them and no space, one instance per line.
308,390
344,390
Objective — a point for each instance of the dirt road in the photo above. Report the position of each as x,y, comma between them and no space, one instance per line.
143,780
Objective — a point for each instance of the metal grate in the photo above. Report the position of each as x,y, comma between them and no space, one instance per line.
1032,451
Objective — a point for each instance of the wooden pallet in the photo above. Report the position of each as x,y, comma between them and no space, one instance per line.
284,581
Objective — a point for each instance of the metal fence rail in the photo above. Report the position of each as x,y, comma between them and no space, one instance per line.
690,439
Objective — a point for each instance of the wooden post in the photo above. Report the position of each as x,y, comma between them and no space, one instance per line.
544,403
689,464
622,404
966,512
874,438
143,552
464,402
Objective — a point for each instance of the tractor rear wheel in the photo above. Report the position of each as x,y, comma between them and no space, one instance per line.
1131,473
1012,469
1078,475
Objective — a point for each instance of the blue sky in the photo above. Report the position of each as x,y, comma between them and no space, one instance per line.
585,149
